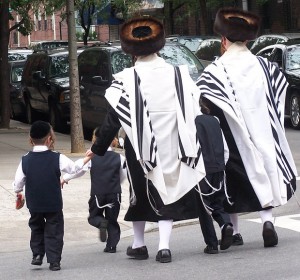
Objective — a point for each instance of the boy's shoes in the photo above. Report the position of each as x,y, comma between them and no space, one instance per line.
211,250
226,237
237,239
103,230
140,253
269,235
164,256
54,266
110,249
37,260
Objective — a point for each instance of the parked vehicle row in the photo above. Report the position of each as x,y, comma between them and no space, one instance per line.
45,80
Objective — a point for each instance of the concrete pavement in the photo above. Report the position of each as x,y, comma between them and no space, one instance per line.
14,230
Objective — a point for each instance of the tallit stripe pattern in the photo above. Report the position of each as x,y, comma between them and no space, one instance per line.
276,86
179,89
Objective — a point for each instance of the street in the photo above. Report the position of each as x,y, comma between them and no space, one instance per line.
83,256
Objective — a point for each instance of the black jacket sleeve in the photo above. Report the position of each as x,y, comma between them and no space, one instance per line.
106,134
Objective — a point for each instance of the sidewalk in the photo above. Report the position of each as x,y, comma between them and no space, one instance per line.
14,230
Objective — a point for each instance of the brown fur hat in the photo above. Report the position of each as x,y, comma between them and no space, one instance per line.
142,36
236,24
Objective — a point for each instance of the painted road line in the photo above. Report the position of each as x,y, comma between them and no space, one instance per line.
291,222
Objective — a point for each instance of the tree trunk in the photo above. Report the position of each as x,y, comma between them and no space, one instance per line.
203,17
4,77
77,139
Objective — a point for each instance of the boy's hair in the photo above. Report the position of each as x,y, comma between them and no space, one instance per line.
39,131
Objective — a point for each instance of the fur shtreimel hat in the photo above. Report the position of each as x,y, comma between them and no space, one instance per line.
236,25
142,36
39,130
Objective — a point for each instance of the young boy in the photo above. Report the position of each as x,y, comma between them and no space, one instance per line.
107,173
212,187
39,171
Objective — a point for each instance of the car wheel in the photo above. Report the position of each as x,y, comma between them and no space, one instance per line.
295,110
55,119
29,113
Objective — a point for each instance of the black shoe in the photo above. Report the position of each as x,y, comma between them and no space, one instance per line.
211,250
269,235
164,256
103,230
140,253
54,266
37,260
226,237
109,249
237,239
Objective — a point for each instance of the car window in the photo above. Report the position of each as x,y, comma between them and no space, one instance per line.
191,43
120,61
277,57
16,73
180,55
59,66
293,58
266,53
209,50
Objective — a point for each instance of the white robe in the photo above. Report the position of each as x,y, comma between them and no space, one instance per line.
241,90
171,176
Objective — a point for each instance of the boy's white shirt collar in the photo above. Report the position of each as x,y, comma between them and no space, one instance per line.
40,148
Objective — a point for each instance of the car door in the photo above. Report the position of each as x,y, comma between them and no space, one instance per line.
95,78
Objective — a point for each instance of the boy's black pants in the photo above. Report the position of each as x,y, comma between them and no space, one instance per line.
47,232
110,212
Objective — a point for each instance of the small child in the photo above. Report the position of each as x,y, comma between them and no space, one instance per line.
107,173
212,187
39,171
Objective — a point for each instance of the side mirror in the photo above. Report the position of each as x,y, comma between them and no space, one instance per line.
37,75
97,80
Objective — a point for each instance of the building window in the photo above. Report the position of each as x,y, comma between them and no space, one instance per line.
39,25
15,38
45,24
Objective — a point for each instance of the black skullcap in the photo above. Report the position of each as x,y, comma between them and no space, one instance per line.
39,129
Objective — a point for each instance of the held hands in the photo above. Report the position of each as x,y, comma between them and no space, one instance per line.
62,182
20,201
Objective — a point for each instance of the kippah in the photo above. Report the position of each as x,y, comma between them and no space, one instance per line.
39,129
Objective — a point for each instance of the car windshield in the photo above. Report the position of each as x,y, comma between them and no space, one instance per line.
293,58
119,61
59,66
191,43
179,55
17,56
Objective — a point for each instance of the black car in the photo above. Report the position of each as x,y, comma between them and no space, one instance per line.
272,39
287,58
98,64
17,104
45,86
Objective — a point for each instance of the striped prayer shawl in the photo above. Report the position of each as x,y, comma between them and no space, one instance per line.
215,85
147,154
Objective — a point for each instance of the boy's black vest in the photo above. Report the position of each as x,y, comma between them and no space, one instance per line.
209,134
42,186
105,174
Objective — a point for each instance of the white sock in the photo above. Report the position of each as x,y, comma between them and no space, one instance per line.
165,229
266,215
234,218
138,234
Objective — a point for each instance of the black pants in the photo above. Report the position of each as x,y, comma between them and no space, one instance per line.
47,232
215,202
109,213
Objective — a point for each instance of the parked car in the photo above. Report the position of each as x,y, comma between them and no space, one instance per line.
272,39
98,64
17,104
45,86
191,42
18,54
287,58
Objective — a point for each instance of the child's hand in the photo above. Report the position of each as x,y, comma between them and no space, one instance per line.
20,201
62,182
89,153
